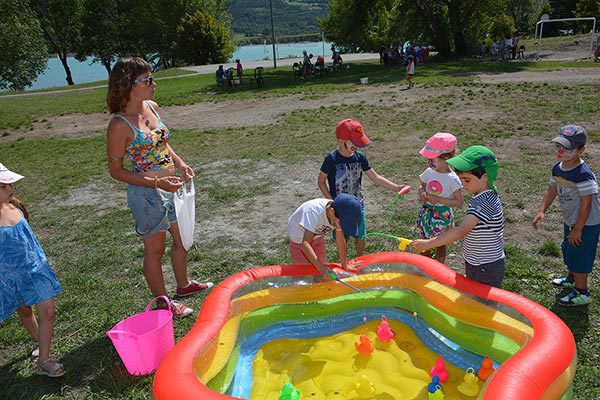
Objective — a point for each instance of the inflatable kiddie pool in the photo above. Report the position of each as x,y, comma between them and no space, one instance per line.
268,326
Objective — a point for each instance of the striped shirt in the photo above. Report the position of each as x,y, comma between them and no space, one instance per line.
571,185
485,242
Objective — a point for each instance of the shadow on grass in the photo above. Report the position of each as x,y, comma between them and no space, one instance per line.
93,367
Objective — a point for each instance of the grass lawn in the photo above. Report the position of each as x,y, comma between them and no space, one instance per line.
80,217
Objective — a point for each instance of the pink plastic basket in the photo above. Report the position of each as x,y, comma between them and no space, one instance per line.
142,340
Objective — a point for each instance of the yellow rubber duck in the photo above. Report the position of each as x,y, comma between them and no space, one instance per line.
437,395
469,387
364,388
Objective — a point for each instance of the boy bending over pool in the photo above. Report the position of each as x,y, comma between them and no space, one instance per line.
483,226
316,218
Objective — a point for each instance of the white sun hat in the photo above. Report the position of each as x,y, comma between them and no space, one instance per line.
7,176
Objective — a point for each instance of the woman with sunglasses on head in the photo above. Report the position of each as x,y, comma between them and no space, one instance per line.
137,132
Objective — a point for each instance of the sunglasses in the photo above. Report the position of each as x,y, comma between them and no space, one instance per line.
149,80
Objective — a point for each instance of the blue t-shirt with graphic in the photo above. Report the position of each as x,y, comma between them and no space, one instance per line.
344,174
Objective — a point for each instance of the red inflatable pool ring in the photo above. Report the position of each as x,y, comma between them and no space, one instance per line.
535,371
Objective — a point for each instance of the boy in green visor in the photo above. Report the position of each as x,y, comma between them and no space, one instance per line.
483,226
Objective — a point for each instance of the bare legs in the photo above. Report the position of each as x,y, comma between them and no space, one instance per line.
360,247
29,321
154,249
581,280
40,332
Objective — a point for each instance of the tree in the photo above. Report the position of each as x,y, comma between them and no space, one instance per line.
100,32
202,40
24,52
61,22
357,25
453,26
502,26
525,13
587,8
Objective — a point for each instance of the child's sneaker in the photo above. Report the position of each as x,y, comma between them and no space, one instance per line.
180,310
193,287
575,298
564,282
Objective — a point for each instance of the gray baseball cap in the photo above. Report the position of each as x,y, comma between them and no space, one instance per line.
571,137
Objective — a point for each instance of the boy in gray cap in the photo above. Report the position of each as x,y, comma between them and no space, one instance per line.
577,189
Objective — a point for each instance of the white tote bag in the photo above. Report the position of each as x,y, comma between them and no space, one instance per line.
185,209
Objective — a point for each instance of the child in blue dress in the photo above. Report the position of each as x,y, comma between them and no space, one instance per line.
26,278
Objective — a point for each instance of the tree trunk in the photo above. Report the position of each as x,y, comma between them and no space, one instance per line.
63,59
106,64
440,35
457,27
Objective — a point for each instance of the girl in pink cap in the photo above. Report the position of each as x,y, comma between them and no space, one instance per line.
440,190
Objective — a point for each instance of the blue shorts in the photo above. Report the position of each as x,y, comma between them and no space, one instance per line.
362,227
581,258
491,274
153,209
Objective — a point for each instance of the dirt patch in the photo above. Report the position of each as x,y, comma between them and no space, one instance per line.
570,75
260,112
259,221
224,114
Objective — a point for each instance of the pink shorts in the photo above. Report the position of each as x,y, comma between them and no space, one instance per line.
318,245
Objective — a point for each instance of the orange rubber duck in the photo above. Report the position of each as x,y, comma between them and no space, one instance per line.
364,345
439,369
486,369
383,331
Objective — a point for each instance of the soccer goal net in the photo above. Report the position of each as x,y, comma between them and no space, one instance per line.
565,39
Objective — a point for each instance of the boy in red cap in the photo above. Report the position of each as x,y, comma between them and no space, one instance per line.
342,169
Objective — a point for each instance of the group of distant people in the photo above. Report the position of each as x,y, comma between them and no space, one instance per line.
505,48
396,56
318,68
226,76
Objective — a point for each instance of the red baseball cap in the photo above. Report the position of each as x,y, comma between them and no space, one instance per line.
352,130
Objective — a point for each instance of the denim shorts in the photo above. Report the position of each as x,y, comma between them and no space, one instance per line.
581,258
153,209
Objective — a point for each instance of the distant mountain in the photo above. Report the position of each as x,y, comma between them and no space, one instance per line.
252,18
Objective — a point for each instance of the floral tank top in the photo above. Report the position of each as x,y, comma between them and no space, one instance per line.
148,150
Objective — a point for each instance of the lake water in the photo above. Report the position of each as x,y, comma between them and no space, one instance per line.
85,71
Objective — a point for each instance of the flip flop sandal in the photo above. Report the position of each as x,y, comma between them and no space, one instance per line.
57,370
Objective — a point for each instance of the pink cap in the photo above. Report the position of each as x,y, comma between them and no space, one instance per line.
352,130
440,143
7,176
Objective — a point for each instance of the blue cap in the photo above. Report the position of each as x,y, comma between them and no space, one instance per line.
349,210
571,137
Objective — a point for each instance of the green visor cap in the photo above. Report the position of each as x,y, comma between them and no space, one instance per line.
474,157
